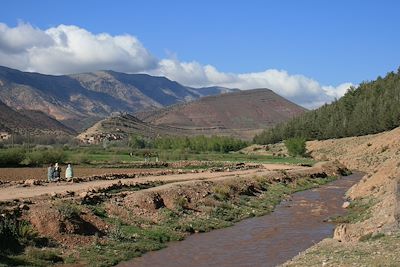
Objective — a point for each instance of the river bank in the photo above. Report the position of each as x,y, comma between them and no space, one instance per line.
102,227
371,235
294,225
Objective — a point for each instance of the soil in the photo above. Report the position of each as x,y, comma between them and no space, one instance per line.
56,212
379,156
295,225
23,191
19,174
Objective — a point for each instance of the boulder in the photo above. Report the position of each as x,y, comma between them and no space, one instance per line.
346,204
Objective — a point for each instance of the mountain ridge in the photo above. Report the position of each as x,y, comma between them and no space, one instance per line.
78,100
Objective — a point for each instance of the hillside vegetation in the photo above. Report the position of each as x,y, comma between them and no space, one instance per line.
372,107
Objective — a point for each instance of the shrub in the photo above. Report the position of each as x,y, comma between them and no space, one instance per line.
296,146
69,210
222,192
40,157
9,242
11,157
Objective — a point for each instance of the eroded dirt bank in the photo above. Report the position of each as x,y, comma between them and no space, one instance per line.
369,235
122,219
295,225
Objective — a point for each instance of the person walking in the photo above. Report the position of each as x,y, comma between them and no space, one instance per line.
50,173
69,173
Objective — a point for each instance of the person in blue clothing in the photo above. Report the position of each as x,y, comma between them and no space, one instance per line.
57,172
50,173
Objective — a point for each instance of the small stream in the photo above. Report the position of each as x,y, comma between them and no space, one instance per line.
294,226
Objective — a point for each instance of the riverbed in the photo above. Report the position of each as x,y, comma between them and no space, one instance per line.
295,225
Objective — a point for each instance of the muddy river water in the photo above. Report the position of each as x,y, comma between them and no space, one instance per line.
295,225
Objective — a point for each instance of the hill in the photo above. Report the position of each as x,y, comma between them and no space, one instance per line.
373,107
243,113
28,121
239,114
79,100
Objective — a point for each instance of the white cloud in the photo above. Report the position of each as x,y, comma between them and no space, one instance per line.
298,88
69,49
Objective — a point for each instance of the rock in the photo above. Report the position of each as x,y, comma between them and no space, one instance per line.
23,207
53,194
83,194
346,204
32,182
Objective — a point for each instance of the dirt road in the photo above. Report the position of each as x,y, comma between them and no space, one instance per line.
19,192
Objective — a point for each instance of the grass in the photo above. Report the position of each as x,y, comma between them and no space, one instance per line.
358,211
225,207
96,159
374,250
97,156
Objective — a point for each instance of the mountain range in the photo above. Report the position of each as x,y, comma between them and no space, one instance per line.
101,103
79,100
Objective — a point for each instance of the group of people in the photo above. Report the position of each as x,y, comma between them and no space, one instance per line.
54,173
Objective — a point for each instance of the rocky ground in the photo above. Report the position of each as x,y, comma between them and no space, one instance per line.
368,236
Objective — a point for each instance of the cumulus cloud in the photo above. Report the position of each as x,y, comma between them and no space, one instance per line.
298,88
70,49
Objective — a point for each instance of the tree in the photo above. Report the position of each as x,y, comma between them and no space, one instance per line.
296,146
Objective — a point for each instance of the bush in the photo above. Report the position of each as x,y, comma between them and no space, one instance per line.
9,229
69,210
296,146
11,157
40,157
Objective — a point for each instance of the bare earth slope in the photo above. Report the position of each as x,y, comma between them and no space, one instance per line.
34,122
240,114
379,156
252,109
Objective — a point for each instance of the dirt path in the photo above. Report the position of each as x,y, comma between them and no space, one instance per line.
19,174
18,192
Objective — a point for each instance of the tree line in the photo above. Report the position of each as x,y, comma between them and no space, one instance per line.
200,143
370,108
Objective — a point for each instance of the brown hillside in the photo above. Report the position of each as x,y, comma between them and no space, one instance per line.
28,121
245,112
80,100
240,114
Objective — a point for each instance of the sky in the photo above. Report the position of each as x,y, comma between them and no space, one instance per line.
309,51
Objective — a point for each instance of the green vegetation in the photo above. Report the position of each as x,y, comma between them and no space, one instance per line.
19,244
226,205
358,211
196,144
120,156
296,146
11,157
375,250
373,107
68,209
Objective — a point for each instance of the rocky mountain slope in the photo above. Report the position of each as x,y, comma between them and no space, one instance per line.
240,114
30,121
79,100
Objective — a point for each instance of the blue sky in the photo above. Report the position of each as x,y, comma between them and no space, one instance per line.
331,42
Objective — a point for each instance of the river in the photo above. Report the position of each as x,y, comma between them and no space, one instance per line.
295,225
